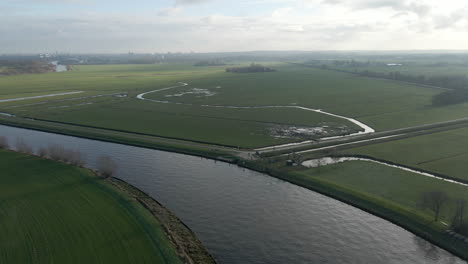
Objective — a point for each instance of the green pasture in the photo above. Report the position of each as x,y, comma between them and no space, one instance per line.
379,103
55,213
390,184
235,127
336,92
443,152
411,68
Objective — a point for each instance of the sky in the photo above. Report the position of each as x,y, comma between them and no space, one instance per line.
120,26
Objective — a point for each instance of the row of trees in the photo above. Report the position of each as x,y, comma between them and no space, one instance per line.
436,201
209,63
252,68
25,67
458,84
106,166
446,81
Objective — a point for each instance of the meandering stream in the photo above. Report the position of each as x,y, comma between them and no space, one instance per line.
366,129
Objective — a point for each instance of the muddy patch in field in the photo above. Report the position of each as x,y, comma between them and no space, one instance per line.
310,133
197,92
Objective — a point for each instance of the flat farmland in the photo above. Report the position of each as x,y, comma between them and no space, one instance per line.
55,213
411,68
390,184
443,152
378,103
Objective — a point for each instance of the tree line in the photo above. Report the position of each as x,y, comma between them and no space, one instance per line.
25,67
106,166
457,84
209,63
252,68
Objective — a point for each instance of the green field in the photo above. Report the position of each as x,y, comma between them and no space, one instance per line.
412,68
54,213
443,152
391,184
381,104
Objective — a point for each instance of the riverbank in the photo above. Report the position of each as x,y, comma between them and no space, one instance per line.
53,212
189,248
391,212
220,153
395,213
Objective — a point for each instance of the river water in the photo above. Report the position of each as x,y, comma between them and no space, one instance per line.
246,217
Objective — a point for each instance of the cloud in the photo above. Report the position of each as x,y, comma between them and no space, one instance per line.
289,25
418,8
169,11
190,2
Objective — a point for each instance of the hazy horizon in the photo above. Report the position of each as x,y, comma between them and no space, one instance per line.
91,26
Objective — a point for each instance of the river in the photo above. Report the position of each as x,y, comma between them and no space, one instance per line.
246,217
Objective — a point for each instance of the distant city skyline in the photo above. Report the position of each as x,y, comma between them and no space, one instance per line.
91,26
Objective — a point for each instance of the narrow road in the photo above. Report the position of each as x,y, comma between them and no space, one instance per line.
369,138
38,96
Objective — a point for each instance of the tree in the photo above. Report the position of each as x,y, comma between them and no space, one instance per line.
56,152
434,201
75,158
43,152
23,147
459,215
4,142
318,164
106,166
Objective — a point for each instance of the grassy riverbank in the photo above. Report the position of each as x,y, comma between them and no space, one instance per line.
385,192
444,152
138,140
55,213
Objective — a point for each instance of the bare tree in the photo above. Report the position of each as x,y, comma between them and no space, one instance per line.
56,152
23,147
106,166
318,164
4,142
459,215
434,201
75,158
42,152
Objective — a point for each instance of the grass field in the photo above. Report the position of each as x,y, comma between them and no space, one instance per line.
54,213
381,104
395,185
387,192
443,152
412,68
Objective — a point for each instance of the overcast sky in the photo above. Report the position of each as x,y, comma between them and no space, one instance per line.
224,25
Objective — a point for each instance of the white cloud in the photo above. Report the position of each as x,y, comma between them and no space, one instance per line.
169,11
295,25
190,2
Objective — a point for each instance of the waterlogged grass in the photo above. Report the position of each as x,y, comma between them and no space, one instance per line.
54,213
392,184
443,152
381,104
235,127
